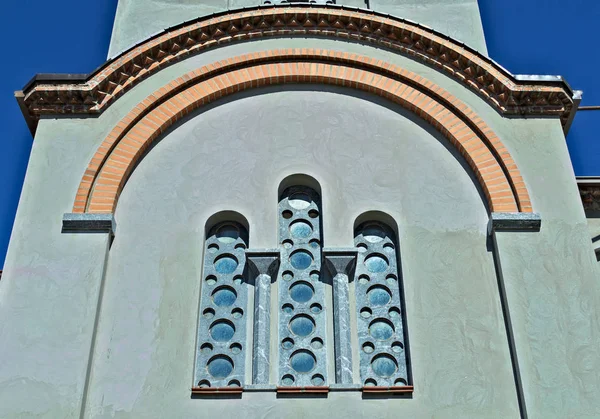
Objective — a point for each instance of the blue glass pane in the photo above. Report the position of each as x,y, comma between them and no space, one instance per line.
287,380
379,296
303,361
228,234
389,248
300,230
384,366
302,325
224,297
299,200
287,344
376,264
301,259
222,331
373,234
226,265
317,380
381,330
220,367
301,292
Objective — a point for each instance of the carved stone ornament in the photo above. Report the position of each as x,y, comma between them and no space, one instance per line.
92,94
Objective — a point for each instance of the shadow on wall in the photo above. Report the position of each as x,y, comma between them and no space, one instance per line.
306,180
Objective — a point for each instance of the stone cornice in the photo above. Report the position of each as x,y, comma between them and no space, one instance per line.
509,95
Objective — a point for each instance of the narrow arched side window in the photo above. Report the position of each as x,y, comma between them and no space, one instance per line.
303,324
221,339
383,360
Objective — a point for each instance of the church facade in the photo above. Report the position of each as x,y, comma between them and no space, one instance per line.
300,210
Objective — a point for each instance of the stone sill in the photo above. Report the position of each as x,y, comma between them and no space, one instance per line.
320,390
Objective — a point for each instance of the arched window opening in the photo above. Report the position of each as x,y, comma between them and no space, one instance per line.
221,338
303,324
379,305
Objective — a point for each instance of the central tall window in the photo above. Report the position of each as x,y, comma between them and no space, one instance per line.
302,325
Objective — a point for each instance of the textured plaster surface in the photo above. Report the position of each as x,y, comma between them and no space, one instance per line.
594,229
50,285
137,20
594,226
366,156
234,156
552,286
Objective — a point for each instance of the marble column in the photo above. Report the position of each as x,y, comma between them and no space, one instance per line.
341,263
263,267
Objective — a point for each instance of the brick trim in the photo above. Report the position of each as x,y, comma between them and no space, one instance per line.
125,145
503,91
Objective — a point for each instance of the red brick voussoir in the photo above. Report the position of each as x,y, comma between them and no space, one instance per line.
125,145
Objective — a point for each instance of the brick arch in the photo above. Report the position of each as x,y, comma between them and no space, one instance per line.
122,149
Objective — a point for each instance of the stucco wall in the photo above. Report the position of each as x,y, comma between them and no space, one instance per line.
51,281
143,357
137,20
367,156
594,225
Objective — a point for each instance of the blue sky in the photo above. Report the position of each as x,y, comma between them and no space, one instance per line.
72,36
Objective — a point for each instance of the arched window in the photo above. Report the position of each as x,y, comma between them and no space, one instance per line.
378,291
221,338
302,320
356,293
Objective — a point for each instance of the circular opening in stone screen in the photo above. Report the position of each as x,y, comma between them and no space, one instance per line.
220,366
222,330
299,200
303,361
373,233
376,263
379,295
227,234
381,329
384,365
301,259
300,229
302,325
226,264
224,296
301,292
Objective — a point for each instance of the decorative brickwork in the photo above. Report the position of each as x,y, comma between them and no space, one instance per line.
117,156
498,87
